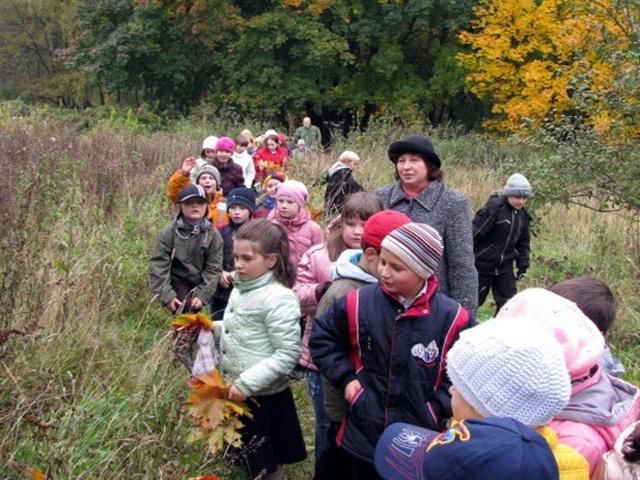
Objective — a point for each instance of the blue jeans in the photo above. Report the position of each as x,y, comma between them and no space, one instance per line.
314,382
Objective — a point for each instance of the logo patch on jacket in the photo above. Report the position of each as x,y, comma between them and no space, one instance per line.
428,355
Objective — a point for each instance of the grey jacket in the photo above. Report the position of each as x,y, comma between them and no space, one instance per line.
448,212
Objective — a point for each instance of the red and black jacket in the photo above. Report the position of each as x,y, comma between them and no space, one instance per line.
397,354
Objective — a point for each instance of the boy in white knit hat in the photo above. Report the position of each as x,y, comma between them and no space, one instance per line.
384,345
500,369
500,239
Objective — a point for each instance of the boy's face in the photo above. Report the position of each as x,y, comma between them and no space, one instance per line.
370,261
287,206
210,153
461,409
238,213
194,209
351,163
208,182
397,277
223,156
271,186
517,202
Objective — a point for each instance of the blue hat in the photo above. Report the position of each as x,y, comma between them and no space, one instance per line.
493,448
243,196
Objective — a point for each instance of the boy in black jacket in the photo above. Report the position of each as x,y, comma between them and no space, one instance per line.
500,237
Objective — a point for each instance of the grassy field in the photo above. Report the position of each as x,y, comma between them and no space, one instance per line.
88,387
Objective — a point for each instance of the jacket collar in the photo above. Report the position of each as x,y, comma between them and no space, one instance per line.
426,199
247,285
422,304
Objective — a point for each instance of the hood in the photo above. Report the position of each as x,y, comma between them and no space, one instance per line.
346,266
300,219
337,166
604,403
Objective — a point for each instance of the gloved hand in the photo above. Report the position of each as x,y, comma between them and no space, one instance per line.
522,274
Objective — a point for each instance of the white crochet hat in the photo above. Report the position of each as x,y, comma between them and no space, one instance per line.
210,142
504,370
517,186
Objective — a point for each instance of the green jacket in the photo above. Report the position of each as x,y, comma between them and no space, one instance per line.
187,256
260,340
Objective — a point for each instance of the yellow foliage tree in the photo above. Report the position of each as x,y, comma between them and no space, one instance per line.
528,56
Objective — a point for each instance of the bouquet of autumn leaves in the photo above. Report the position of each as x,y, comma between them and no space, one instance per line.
215,417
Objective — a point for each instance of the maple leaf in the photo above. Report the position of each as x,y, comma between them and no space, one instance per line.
187,320
214,416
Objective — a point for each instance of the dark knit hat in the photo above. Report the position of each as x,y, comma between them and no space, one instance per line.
243,196
380,224
418,245
211,170
192,191
418,144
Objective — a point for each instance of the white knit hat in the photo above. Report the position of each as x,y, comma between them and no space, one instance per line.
210,142
504,370
517,186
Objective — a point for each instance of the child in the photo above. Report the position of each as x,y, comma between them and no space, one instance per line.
230,172
270,158
500,237
186,263
260,345
242,157
312,280
340,182
267,200
488,449
206,176
241,203
251,148
353,269
208,151
500,369
385,344
597,302
290,212
623,462
601,406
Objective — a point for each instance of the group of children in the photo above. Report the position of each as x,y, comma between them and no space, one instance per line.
403,383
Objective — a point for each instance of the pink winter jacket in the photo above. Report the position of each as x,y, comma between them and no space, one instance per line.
313,269
596,416
302,231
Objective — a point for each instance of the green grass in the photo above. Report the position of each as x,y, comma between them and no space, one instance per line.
91,390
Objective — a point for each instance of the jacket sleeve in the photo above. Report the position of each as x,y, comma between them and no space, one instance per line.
523,246
483,222
317,236
283,328
160,266
458,243
177,182
212,268
330,345
306,281
238,177
250,174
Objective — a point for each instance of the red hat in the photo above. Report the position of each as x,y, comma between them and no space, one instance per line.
380,225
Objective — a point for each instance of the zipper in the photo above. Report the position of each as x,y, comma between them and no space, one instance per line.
508,238
386,400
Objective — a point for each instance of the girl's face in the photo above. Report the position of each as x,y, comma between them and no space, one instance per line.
412,170
352,229
208,182
241,147
223,156
287,207
271,186
271,145
249,262
210,153
194,210
239,214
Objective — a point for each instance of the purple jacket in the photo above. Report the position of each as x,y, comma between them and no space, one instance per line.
231,175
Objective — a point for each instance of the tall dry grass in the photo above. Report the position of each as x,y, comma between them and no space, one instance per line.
88,388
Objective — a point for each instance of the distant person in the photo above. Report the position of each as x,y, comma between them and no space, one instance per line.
385,345
310,134
597,302
270,158
208,151
208,177
242,157
230,172
267,201
259,348
500,239
187,260
340,182
251,148
421,194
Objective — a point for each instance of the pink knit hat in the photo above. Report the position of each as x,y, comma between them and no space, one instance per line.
581,341
295,190
226,144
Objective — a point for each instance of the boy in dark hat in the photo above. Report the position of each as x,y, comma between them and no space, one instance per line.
241,205
187,261
384,345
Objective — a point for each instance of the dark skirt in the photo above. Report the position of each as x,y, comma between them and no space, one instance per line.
273,436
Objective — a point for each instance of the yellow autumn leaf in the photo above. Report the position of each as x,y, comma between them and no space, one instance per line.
187,320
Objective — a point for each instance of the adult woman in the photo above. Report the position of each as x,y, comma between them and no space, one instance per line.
420,194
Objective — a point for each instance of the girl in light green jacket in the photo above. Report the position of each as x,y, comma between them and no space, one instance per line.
260,344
